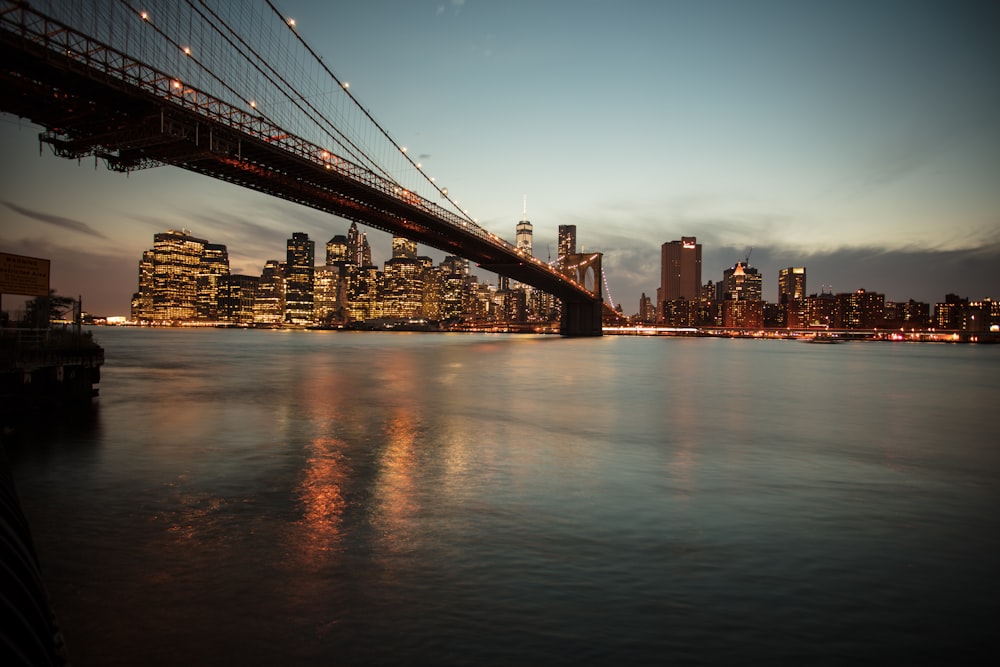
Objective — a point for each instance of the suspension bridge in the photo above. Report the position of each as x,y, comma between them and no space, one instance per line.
231,90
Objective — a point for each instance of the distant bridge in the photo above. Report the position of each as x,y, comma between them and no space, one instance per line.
200,85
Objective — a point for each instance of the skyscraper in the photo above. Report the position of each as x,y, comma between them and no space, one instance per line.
742,283
299,279
354,245
403,248
336,250
211,278
567,240
176,265
680,271
791,284
742,304
269,306
523,232
792,297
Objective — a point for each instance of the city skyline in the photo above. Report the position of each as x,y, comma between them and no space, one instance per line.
860,141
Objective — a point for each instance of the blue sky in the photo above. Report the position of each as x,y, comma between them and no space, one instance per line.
858,139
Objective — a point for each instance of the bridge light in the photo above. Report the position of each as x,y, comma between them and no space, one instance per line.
346,85
291,23
187,50
253,104
419,165
144,16
176,84
402,148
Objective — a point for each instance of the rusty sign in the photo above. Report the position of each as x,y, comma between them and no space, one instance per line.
23,275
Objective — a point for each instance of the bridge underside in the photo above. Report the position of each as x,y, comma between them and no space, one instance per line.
88,112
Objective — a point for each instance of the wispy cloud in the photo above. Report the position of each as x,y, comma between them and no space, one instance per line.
55,220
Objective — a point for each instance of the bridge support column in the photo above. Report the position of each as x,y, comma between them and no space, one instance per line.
581,318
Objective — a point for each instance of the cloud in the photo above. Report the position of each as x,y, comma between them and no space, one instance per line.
56,220
456,5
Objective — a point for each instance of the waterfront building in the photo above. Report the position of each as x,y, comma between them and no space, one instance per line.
432,306
791,297
821,310
860,309
680,271
743,314
907,314
237,296
177,262
402,292
213,272
454,273
329,295
142,301
742,303
679,313
542,306
363,286
269,306
947,314
299,270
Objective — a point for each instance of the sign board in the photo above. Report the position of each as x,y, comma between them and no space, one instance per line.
23,275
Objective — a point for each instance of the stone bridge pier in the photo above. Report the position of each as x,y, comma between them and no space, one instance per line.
582,316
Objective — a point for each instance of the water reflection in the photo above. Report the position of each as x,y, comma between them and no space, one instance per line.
321,496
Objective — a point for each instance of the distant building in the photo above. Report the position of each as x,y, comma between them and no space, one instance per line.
329,293
211,277
523,232
647,311
403,248
791,298
168,277
680,271
947,314
454,272
907,314
299,269
742,283
269,306
336,250
567,240
742,303
860,309
237,296
821,310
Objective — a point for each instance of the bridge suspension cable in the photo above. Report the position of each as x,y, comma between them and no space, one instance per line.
260,59
430,180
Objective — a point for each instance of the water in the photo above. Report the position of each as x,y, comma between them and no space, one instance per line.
267,497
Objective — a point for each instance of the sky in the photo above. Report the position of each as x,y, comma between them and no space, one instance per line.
860,139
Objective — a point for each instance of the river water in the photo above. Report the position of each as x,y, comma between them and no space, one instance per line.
309,498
